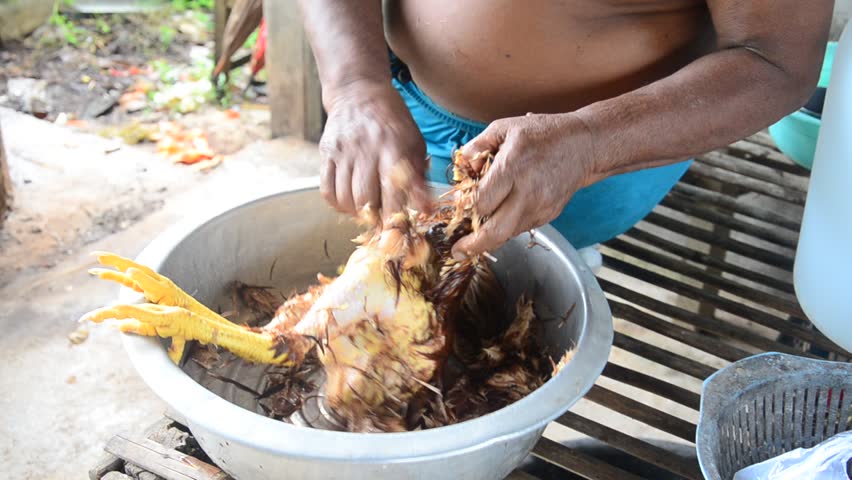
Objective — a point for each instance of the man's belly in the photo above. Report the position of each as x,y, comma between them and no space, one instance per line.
487,59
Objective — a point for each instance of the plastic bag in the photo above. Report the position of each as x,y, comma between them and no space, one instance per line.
826,461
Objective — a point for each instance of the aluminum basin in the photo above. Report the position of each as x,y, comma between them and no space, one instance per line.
294,230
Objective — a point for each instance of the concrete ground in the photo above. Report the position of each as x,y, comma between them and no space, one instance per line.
60,402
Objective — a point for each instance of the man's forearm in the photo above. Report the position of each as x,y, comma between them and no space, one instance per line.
348,42
716,100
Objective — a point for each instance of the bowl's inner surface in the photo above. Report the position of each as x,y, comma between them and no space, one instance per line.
284,241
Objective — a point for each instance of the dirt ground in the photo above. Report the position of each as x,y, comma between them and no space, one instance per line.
79,66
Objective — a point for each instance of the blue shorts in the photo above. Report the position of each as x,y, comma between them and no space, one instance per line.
594,214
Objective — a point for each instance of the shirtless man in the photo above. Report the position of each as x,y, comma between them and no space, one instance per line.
592,107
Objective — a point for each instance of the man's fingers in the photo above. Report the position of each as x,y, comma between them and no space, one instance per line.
412,182
394,177
421,196
366,188
327,181
501,227
496,185
343,187
393,198
489,140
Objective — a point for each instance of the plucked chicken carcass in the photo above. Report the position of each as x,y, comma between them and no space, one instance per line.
382,330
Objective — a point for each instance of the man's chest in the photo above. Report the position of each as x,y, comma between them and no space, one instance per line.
602,9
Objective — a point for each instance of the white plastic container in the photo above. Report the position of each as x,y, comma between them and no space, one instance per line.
823,268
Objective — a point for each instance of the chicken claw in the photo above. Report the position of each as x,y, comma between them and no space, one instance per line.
174,314
156,288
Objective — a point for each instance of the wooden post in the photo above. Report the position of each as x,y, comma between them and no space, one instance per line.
294,88
5,182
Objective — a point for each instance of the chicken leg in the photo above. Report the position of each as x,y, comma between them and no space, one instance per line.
172,313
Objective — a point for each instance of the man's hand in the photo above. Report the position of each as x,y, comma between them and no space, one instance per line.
540,162
372,152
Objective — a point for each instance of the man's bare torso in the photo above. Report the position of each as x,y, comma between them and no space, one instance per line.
487,59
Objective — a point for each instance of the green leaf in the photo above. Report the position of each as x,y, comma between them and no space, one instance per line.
103,26
167,36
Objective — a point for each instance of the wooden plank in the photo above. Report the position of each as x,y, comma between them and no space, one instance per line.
643,413
719,159
110,462
714,325
702,258
705,309
167,463
764,138
758,316
654,385
663,357
747,250
731,203
755,152
777,235
294,87
5,182
711,345
581,464
687,468
758,186
681,268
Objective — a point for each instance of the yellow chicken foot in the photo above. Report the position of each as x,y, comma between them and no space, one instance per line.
179,323
187,319
156,288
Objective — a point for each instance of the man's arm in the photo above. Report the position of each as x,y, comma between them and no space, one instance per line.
348,43
369,137
766,64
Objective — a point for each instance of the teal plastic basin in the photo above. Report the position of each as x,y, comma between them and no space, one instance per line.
796,134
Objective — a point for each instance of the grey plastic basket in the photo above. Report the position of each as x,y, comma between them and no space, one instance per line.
760,407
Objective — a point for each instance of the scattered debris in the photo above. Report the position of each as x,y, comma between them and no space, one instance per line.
153,63
132,133
184,97
99,106
28,95
136,97
78,336
187,146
